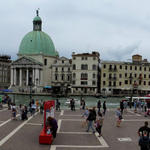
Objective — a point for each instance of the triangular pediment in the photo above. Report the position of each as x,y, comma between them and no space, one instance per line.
26,61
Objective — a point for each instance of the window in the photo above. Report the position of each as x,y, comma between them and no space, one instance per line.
82,58
120,75
135,67
144,82
109,83
45,62
68,77
93,83
130,81
140,82
84,67
110,67
149,83
149,75
130,67
94,58
104,66
114,83
56,77
125,74
94,67
126,82
74,67
144,68
104,82
110,76
120,83
74,75
74,58
62,61
94,75
120,66
62,77
84,76
56,69
62,69
144,75
85,58
135,75
83,82
73,82
115,67
68,69
140,68
126,67
104,75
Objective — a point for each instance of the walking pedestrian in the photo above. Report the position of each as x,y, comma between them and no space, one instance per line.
57,105
90,120
99,123
119,117
85,115
104,107
99,105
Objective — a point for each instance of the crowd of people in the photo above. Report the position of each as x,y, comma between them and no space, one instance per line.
93,119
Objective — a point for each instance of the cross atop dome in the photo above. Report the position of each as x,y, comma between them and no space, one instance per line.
37,11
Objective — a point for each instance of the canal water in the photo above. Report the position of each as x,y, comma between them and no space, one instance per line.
111,102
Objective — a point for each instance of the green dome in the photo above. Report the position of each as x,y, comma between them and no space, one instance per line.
37,18
37,42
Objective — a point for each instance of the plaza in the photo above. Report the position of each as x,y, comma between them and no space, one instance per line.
23,135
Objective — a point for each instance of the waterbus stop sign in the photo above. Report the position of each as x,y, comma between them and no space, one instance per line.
45,138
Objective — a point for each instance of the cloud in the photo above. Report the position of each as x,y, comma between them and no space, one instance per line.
121,53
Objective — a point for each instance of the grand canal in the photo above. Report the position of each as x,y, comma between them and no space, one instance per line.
111,102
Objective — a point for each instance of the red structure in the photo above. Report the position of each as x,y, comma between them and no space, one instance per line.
45,138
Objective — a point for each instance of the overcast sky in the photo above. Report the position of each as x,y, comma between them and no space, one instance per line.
117,29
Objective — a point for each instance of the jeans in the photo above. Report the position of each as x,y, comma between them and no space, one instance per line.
90,125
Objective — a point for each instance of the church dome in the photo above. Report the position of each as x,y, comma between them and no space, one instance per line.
37,42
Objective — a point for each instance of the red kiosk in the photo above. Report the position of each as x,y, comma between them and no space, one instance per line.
45,138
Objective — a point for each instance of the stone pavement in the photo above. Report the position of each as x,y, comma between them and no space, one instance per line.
23,135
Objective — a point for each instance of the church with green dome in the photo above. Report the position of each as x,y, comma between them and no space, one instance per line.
35,56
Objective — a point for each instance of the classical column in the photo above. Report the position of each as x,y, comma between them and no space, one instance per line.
36,77
20,74
12,76
27,77
15,76
33,76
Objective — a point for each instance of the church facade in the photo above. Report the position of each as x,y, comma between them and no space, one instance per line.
36,54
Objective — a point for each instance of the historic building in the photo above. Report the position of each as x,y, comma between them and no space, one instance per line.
5,63
125,78
62,75
35,57
85,73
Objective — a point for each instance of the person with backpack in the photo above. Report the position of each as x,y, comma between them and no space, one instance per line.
144,128
144,141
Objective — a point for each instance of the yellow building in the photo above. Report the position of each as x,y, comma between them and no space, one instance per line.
125,78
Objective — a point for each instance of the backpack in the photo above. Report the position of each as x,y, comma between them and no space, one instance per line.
144,142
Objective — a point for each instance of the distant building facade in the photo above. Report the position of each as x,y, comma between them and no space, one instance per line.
85,73
5,63
62,75
125,78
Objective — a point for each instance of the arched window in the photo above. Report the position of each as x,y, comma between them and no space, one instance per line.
74,67
94,67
